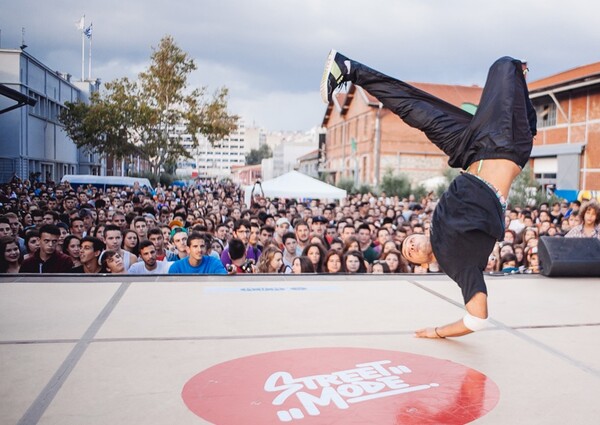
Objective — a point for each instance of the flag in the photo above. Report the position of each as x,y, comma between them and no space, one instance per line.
80,24
88,31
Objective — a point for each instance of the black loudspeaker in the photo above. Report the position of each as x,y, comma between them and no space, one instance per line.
569,256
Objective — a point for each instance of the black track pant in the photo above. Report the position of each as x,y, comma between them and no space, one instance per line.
502,127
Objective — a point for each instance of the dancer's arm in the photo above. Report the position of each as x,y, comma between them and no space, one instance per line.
477,307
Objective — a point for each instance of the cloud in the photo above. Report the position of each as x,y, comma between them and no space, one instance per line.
270,53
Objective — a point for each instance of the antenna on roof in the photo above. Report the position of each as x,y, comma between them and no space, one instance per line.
23,45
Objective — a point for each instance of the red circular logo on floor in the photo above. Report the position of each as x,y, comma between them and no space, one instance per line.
340,385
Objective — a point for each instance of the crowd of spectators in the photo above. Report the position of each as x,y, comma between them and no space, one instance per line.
206,228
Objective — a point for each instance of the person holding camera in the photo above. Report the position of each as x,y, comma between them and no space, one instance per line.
239,261
241,232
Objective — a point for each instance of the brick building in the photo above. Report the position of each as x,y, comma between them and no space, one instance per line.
566,153
356,123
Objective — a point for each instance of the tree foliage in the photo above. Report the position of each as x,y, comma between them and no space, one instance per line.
526,191
255,156
144,117
395,185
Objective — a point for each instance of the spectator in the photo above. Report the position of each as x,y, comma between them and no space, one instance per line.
197,262
15,226
331,232
179,237
5,229
508,263
529,233
72,247
318,225
222,233
519,253
38,218
351,244
141,228
64,232
112,262
113,236
10,255
131,240
155,236
290,249
216,246
590,226
354,262
238,262
47,259
150,263
383,237
241,231
32,242
302,265
533,264
254,238
316,254
271,261
492,264
364,239
380,267
336,244
347,232
302,234
98,231
388,246
88,219
265,237
118,219
282,227
510,236
396,263
77,227
332,262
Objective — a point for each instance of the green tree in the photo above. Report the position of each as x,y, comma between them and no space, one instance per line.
142,117
255,156
395,185
527,192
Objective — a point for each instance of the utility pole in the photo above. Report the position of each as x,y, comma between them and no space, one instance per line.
378,144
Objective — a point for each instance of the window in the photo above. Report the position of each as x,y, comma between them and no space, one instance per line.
540,176
546,115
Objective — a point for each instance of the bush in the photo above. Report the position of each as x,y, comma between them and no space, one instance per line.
364,189
346,184
394,185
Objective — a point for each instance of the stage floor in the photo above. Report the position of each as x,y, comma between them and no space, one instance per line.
295,349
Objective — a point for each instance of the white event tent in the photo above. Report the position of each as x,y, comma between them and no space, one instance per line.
295,185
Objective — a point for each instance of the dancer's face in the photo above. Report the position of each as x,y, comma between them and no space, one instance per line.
417,248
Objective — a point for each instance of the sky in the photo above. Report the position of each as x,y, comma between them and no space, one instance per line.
270,53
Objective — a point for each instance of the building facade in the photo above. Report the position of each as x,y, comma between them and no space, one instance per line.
566,153
208,160
364,140
32,140
309,164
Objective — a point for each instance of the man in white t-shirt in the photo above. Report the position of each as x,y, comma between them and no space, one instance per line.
149,264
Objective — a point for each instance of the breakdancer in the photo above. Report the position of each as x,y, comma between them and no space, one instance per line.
491,147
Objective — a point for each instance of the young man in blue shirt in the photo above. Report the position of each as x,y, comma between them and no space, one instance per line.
197,262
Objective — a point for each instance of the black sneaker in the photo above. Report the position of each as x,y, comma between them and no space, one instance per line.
336,72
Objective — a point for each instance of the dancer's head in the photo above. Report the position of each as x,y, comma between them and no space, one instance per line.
416,248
